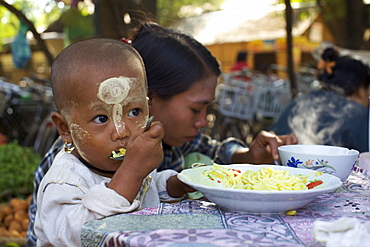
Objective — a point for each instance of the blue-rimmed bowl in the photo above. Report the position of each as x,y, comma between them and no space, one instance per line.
337,161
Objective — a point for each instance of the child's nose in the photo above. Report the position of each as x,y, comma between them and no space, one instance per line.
121,130
118,122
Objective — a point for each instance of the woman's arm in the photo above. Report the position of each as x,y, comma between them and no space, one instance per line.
264,148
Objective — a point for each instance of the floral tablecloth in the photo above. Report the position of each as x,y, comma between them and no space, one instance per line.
202,223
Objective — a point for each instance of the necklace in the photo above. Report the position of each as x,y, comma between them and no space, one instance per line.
95,168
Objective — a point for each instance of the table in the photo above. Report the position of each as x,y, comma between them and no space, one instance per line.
202,223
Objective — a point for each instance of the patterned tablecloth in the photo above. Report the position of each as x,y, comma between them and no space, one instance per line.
202,223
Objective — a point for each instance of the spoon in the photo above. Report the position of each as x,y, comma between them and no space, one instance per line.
148,123
147,126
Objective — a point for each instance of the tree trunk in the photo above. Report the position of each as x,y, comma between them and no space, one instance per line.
289,42
355,24
36,35
109,18
150,6
346,20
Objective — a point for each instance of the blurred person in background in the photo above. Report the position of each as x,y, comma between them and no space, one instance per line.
326,62
269,75
241,62
337,113
240,67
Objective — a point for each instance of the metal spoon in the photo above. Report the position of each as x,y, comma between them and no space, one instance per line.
148,123
147,126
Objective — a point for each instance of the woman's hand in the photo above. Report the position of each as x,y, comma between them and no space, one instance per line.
264,148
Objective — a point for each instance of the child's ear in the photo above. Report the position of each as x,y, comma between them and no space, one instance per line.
62,126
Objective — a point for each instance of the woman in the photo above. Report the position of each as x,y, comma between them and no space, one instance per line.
182,77
337,113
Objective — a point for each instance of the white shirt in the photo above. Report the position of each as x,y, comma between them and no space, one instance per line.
70,194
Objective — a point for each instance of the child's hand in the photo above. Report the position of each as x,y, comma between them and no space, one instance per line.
145,148
144,153
176,188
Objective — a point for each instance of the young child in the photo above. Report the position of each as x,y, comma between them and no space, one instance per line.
100,91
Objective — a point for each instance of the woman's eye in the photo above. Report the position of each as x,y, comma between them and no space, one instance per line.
101,119
195,111
134,112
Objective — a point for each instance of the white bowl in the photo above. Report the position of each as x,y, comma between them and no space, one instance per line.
337,161
256,201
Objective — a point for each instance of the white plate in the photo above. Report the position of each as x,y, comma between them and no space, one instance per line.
255,201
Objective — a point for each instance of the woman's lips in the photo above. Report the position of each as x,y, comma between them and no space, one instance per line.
189,138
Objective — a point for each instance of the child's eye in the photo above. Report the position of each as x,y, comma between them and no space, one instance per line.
134,112
101,119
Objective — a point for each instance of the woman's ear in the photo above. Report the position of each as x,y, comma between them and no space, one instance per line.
150,100
62,127
361,96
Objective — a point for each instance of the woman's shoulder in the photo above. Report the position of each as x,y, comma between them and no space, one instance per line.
322,96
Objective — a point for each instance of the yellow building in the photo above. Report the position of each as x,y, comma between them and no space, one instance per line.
226,33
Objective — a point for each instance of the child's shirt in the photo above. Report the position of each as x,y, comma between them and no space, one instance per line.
71,194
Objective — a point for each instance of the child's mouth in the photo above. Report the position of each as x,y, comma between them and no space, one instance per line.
118,154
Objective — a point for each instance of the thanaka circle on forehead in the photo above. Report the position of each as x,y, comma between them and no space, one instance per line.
114,90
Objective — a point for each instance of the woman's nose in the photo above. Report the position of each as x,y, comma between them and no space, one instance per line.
201,120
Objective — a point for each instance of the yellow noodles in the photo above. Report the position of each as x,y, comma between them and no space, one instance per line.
265,178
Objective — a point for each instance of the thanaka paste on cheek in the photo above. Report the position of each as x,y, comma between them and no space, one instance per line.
114,91
78,134
81,134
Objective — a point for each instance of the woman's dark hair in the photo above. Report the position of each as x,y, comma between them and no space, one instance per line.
349,74
330,54
173,60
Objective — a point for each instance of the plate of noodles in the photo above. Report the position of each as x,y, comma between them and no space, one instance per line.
259,188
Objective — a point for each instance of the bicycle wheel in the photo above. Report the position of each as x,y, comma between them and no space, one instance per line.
46,135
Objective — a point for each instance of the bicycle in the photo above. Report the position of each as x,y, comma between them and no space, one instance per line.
237,109
25,113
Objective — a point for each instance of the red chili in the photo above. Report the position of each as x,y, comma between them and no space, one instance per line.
314,184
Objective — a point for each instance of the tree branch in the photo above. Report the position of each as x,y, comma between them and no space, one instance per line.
32,28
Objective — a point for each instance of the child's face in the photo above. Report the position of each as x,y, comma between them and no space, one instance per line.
104,117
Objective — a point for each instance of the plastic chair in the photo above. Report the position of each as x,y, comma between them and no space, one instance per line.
237,99
237,107
271,100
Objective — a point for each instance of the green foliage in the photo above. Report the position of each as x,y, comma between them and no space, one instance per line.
8,25
168,11
17,164
10,245
41,16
